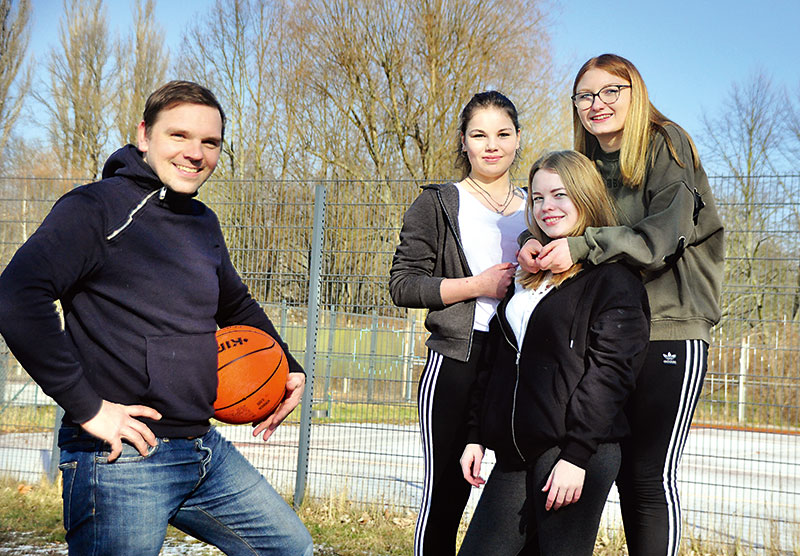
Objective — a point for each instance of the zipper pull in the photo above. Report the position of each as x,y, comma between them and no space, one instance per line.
571,341
519,354
162,193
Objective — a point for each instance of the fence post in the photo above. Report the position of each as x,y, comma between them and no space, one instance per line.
284,315
55,451
373,352
312,328
331,338
408,353
5,370
744,363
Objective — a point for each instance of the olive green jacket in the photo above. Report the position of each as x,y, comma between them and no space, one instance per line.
671,231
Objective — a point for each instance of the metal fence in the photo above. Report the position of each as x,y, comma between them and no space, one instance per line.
317,256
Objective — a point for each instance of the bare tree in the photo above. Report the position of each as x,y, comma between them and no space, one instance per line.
237,53
364,90
77,95
398,72
15,79
745,149
792,121
142,59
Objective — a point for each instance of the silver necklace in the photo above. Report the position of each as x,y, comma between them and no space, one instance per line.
499,208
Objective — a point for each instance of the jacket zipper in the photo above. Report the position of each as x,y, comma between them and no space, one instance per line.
161,193
516,387
518,350
463,259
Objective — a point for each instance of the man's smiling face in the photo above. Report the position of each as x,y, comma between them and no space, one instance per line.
183,145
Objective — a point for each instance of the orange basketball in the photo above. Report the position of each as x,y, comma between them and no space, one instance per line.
252,372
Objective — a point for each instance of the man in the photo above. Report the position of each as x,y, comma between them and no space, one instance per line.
144,278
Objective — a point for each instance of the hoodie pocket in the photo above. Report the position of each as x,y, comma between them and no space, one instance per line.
182,374
541,401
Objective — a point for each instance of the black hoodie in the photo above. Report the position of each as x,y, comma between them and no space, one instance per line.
144,279
567,384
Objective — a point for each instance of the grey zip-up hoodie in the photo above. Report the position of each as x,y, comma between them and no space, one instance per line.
430,250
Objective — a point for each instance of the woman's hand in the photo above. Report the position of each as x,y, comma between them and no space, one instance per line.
526,256
492,282
565,484
555,256
471,464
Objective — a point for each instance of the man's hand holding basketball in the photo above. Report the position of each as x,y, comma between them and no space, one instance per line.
295,384
115,422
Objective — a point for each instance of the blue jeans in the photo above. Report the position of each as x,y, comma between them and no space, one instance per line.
202,486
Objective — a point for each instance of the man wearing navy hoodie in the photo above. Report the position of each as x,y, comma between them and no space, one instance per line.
144,278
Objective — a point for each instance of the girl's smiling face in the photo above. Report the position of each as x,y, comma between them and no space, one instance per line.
604,121
553,210
491,143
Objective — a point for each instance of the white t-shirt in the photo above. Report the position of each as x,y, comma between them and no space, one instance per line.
488,239
520,308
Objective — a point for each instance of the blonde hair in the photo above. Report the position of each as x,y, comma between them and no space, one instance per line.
642,122
587,191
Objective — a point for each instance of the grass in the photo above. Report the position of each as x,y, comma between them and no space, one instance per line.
365,412
30,514
30,508
28,418
341,528
16,419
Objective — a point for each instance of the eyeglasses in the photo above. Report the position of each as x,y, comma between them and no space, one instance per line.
608,94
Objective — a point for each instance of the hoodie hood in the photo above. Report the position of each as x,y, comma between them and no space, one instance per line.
128,162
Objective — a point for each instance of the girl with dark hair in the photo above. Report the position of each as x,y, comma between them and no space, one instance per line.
456,259
670,230
561,360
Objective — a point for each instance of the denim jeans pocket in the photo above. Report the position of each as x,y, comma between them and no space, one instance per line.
129,454
68,470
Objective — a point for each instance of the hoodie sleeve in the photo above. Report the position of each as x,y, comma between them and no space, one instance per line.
669,225
237,306
617,340
411,280
66,248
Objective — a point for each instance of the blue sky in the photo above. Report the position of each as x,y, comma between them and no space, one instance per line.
688,51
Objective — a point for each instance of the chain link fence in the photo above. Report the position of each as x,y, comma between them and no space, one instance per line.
317,256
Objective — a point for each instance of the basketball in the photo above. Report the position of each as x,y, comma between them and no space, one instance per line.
252,372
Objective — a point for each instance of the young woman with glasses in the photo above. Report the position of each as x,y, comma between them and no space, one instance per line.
456,259
671,232
562,357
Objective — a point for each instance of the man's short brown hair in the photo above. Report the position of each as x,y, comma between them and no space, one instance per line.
173,93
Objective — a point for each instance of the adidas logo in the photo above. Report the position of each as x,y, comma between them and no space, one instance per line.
670,358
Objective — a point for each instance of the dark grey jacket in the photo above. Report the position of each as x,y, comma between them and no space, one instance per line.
430,250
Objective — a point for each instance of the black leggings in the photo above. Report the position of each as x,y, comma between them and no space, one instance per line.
443,400
660,412
511,518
